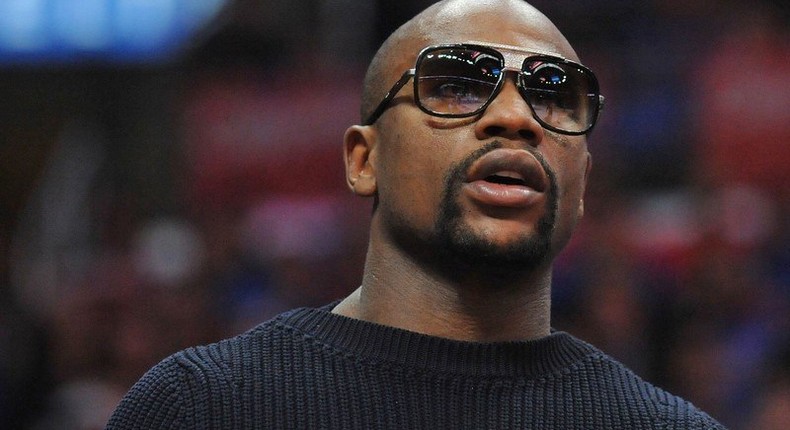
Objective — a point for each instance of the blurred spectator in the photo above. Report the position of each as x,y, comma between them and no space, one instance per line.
290,251
771,409
128,311
80,405
742,103
24,373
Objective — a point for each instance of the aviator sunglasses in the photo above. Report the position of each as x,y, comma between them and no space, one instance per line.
461,80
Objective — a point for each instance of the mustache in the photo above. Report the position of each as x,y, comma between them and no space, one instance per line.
457,173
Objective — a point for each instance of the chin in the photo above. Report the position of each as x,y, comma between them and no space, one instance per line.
526,253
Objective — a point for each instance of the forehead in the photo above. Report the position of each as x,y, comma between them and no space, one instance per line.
514,23
513,34
515,44
513,55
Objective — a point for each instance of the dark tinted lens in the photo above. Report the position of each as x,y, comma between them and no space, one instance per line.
456,81
563,95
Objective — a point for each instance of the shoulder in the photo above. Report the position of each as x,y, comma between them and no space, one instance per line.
628,391
675,412
193,386
679,413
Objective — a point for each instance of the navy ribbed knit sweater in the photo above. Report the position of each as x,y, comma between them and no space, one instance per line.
310,369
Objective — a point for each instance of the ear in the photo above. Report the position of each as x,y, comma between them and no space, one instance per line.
584,188
359,153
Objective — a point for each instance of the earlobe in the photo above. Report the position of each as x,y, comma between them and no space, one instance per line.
359,156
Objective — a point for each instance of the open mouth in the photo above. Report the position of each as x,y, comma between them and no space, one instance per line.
514,171
505,179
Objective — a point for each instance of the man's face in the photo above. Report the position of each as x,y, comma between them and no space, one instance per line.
497,188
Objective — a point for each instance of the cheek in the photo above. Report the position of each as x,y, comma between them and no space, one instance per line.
571,181
570,162
575,182
410,178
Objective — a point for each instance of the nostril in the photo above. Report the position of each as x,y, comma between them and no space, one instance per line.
527,134
495,130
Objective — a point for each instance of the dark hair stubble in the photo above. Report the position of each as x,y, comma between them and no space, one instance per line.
456,240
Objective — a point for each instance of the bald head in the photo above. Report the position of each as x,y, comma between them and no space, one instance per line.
455,21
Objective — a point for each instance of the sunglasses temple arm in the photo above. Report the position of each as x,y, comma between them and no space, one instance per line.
601,100
388,98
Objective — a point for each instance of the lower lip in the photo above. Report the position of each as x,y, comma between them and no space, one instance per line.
492,194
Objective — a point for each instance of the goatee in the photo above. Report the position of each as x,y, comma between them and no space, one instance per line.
460,243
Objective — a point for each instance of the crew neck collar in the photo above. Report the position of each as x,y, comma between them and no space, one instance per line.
378,343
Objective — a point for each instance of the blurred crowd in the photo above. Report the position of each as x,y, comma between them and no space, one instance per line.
680,268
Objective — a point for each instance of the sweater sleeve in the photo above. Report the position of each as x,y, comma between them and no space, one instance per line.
705,422
156,401
702,421
679,413
184,391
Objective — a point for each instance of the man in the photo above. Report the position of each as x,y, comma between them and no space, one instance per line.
477,162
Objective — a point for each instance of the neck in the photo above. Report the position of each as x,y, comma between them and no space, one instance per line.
466,304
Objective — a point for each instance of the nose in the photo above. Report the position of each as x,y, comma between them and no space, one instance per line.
509,116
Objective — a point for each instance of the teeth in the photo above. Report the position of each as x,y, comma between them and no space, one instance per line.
508,174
